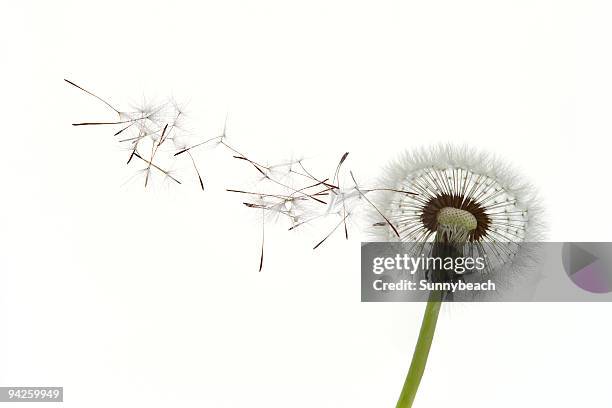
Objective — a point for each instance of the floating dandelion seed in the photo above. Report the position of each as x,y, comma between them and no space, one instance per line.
152,134
466,201
290,191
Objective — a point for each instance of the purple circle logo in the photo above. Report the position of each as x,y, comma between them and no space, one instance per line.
589,265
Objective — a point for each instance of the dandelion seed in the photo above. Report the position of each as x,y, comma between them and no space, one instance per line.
145,131
303,198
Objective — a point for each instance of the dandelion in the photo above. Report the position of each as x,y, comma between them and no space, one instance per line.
465,201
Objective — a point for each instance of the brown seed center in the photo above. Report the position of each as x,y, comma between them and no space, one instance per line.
434,205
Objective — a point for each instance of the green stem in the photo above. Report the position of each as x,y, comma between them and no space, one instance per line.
421,351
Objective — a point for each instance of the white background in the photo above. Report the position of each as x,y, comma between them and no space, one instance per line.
128,297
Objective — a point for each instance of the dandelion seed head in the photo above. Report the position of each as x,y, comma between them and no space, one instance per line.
466,198
467,203
457,187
